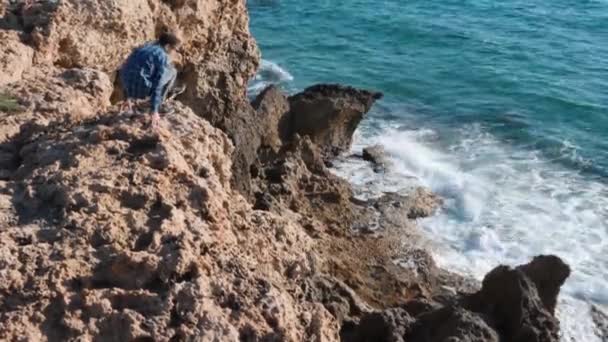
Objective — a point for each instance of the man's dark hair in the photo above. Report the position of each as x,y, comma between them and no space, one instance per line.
167,39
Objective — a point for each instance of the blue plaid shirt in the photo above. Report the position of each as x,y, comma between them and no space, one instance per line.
142,72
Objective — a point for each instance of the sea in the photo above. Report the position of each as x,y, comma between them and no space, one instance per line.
500,107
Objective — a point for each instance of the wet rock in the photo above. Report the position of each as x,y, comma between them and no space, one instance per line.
510,301
377,156
329,114
64,34
548,273
422,203
507,308
600,318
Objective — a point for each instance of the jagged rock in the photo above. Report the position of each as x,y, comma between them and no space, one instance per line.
123,234
85,33
600,318
510,301
422,203
329,114
548,273
218,54
15,57
246,134
217,58
338,298
299,180
46,94
386,326
452,324
507,308
377,156
272,106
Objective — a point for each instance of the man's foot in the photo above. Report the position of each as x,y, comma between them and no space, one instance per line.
176,91
155,121
167,108
127,107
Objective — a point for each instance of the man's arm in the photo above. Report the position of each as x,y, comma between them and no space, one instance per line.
160,62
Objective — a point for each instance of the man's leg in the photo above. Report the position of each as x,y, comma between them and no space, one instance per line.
168,80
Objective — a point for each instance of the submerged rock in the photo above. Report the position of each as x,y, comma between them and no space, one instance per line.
377,156
510,301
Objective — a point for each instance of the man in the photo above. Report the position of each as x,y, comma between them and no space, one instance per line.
148,72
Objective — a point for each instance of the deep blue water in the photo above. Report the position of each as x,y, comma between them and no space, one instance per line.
501,107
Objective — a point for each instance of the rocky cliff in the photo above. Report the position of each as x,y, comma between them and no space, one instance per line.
225,226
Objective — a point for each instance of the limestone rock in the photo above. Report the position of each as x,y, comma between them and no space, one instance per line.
46,94
15,57
123,234
272,106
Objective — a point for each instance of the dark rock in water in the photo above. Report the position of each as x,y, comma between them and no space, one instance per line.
600,318
548,273
272,107
377,156
423,203
329,114
507,308
510,301
452,324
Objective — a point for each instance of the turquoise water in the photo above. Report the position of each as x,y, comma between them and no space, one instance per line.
533,72
500,107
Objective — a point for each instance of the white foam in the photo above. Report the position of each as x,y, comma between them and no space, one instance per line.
503,206
268,73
